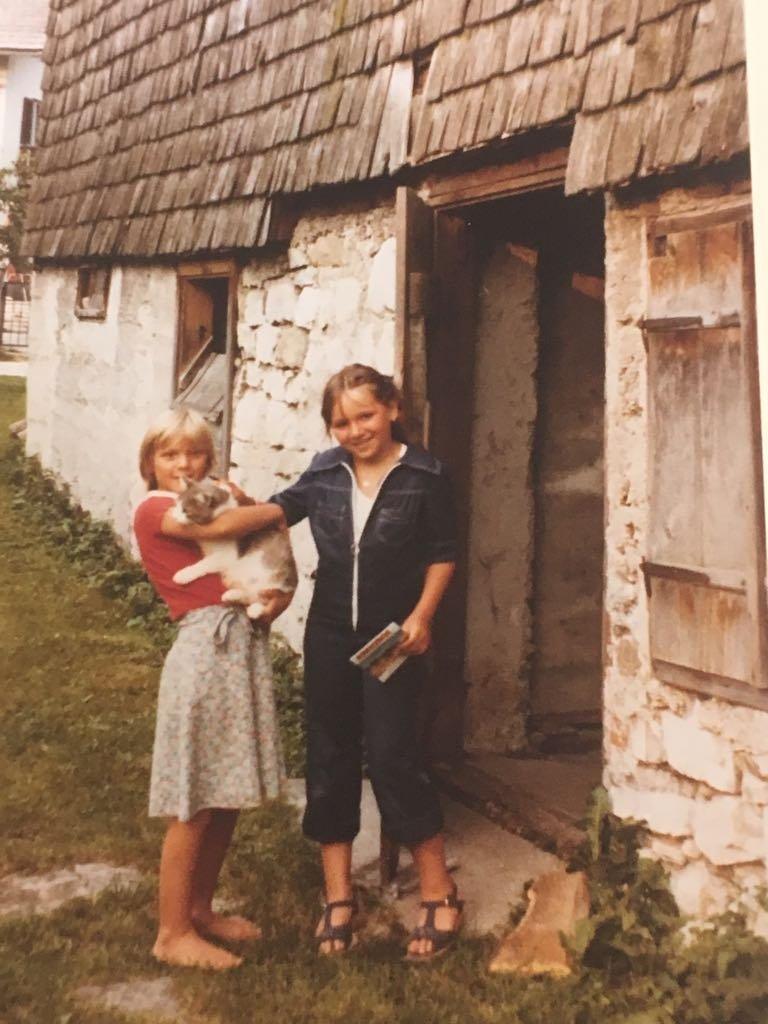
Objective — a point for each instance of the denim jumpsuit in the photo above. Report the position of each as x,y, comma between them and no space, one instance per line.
411,526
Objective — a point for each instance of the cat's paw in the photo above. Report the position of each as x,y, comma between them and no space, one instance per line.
184,576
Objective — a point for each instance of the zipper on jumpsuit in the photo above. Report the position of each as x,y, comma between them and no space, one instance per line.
356,543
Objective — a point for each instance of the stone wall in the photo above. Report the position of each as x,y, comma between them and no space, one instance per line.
303,314
695,768
501,529
566,679
93,386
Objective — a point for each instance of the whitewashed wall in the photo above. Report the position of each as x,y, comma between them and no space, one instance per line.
695,769
329,300
94,386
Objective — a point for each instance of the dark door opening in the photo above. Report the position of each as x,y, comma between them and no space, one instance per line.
515,399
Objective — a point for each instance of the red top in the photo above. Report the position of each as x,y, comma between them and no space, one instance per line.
163,556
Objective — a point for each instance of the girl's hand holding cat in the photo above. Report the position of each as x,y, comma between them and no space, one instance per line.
275,602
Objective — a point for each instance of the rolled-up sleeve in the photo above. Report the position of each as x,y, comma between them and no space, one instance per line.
440,521
295,500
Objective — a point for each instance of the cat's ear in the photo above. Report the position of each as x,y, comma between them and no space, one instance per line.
186,481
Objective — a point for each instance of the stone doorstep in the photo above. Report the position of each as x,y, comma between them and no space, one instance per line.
523,813
557,902
490,864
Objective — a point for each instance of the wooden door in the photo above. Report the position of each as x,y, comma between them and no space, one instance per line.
436,321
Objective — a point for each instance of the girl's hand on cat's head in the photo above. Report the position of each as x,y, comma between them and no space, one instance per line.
237,492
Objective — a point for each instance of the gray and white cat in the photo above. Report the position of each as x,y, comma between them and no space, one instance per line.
264,561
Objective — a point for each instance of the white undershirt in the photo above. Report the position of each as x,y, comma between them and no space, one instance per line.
361,510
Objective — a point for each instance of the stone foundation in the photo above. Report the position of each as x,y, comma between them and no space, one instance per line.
695,768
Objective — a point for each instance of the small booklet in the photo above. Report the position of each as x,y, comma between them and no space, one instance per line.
379,656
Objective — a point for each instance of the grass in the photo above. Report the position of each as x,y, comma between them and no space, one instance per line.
76,714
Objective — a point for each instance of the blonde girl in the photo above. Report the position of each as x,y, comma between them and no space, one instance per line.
216,744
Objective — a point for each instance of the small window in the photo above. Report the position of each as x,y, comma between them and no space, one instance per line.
29,119
92,293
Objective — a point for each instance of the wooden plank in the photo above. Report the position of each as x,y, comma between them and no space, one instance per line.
495,181
451,358
703,628
733,691
723,579
695,271
757,597
415,241
674,429
207,268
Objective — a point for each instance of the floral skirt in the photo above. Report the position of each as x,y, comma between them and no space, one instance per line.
216,740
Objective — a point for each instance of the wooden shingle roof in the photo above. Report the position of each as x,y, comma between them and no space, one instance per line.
167,126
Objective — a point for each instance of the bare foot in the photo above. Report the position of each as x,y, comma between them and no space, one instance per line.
230,928
189,950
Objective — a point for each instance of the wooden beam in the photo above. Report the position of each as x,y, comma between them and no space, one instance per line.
733,691
496,181
207,268
756,23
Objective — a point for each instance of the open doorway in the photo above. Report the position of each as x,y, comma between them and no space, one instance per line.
515,406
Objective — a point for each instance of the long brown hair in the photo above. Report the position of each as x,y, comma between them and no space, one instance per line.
358,375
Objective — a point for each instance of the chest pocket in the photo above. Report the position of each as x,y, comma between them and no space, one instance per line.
329,525
395,525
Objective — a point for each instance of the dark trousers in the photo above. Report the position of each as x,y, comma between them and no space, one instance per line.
348,711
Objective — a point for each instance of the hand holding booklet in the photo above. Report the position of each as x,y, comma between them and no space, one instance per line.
380,656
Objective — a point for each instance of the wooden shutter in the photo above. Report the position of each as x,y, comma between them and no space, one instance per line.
705,566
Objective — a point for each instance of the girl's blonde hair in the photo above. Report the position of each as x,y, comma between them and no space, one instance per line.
181,423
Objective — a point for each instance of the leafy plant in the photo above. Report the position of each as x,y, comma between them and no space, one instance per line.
645,968
633,911
15,182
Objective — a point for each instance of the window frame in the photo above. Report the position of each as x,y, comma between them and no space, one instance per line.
211,269
84,273
30,119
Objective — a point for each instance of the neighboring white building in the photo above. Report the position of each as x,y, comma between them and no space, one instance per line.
22,37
